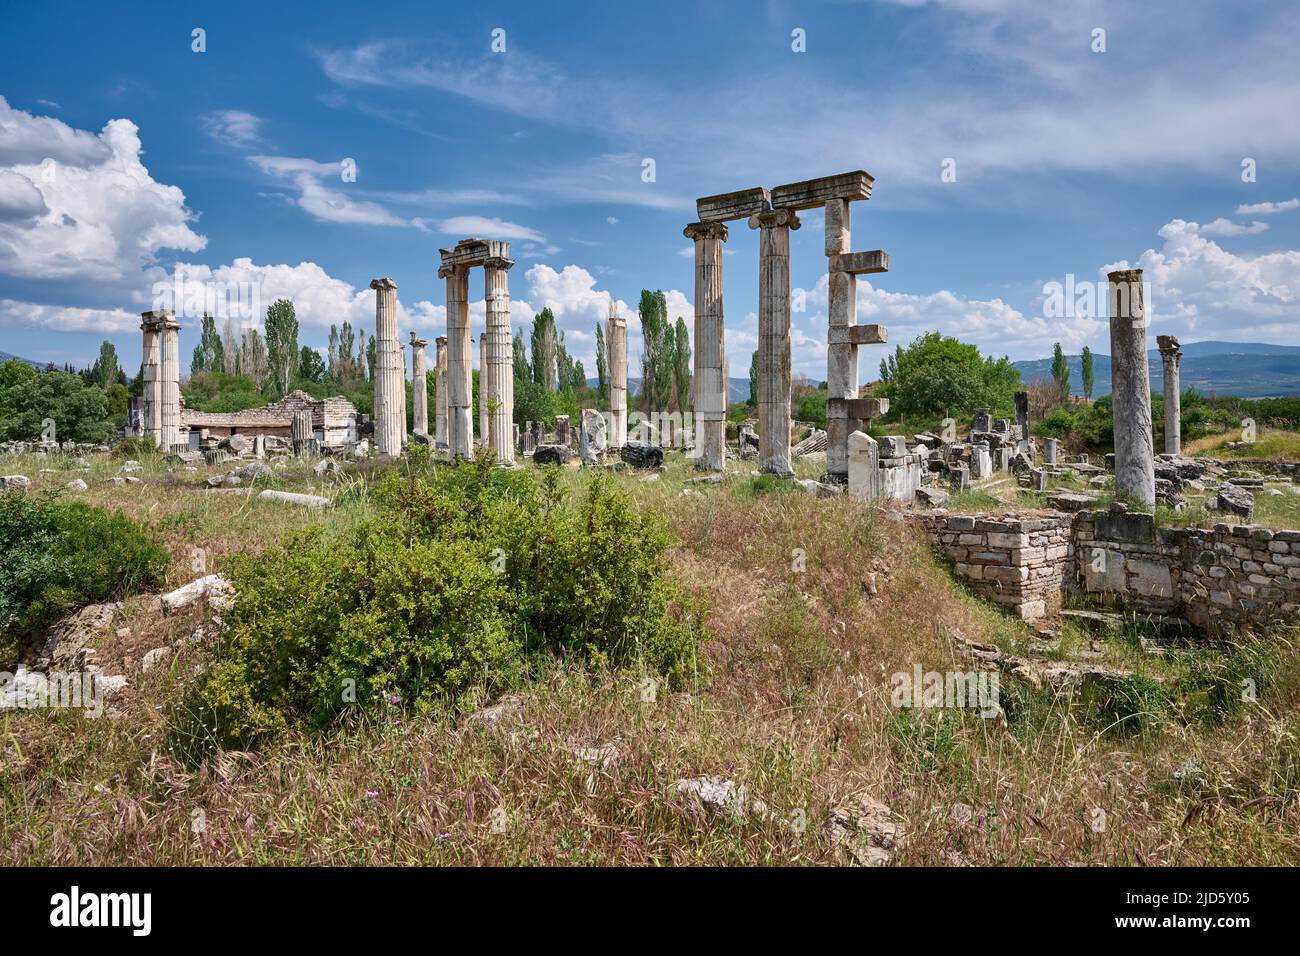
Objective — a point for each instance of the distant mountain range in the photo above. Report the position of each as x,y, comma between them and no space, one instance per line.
5,356
1247,369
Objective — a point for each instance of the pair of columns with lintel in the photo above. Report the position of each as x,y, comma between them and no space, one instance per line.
160,406
496,372
774,213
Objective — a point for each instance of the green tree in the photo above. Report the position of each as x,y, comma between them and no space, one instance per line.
1085,360
753,379
523,370
311,365
1061,371
602,361
545,346
682,365
281,346
938,375
79,411
210,353
105,371
370,358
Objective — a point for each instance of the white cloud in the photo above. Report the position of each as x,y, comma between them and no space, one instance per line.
30,315
319,197
234,128
100,216
1267,208
484,227
1226,228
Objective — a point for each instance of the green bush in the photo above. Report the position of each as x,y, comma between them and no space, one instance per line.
464,577
61,555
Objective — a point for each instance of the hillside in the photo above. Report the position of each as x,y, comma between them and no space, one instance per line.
1247,369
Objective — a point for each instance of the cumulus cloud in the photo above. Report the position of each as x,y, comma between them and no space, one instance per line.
1267,208
31,315
75,205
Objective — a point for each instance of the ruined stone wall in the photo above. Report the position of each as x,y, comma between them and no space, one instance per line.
1022,563
1228,574
1222,576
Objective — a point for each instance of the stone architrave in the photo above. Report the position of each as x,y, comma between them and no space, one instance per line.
774,339
440,399
1135,477
709,381
616,346
419,387
1171,358
390,372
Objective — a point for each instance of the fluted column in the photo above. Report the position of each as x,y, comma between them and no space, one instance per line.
616,346
709,382
419,387
484,387
440,380
1171,357
151,371
171,387
500,359
390,372
460,384
1135,476
774,338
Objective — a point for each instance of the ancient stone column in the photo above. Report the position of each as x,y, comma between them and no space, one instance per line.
300,432
460,384
151,402
440,399
419,387
1171,357
1049,451
171,383
499,360
841,354
774,339
1135,476
709,381
616,345
483,388
1022,419
390,372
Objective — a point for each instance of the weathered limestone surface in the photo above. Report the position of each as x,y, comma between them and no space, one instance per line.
482,390
737,205
460,424
774,339
160,407
1135,476
419,387
616,345
709,382
1171,358
390,372
811,193
499,434
440,400
1022,421
591,438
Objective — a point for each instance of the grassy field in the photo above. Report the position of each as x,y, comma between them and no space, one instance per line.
814,604
1270,443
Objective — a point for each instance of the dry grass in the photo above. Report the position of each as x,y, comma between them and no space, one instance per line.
814,604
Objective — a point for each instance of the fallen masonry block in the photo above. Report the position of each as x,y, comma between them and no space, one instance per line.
641,454
14,482
552,455
292,498
214,587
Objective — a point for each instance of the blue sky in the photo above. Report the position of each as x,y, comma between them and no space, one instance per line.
125,154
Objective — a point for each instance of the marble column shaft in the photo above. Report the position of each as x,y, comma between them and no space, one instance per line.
440,399
616,346
484,387
151,401
390,372
709,381
460,384
499,360
774,339
841,357
1171,358
1135,476
419,387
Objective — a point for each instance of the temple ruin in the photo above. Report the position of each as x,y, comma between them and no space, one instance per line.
160,406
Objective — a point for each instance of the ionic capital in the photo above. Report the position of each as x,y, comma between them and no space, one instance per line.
706,230
498,262
384,283
774,218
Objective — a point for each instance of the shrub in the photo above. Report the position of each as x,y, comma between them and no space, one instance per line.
461,579
60,555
